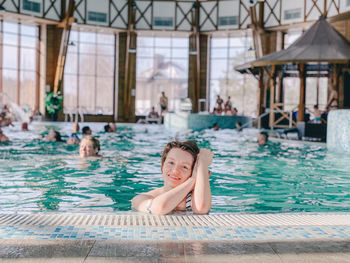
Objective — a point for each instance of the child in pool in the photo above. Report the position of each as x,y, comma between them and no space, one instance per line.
186,181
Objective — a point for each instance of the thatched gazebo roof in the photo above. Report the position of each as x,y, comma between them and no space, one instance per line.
320,43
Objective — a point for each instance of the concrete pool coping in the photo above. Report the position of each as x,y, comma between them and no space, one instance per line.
136,237
143,227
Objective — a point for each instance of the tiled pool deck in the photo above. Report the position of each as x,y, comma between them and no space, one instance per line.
181,238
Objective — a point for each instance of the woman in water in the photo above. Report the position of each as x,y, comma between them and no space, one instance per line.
186,181
89,147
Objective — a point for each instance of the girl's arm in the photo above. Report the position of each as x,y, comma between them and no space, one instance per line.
140,201
201,198
161,203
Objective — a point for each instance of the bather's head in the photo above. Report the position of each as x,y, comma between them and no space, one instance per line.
263,138
53,136
178,160
89,146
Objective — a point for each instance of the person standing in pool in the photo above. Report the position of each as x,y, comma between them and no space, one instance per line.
186,181
163,101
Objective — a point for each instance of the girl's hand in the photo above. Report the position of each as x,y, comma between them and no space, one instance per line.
195,170
205,157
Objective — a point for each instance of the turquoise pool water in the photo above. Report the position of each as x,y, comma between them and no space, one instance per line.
281,177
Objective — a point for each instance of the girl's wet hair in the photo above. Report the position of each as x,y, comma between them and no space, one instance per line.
188,146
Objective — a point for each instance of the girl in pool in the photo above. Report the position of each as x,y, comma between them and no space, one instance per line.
89,147
186,181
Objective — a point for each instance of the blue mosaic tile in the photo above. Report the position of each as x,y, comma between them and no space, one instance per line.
175,233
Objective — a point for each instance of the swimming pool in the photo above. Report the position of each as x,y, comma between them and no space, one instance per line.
281,177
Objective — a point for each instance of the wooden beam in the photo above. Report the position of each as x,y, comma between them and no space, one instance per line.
272,84
261,100
65,24
257,31
130,63
301,107
280,87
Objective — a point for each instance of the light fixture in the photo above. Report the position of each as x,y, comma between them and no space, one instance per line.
71,43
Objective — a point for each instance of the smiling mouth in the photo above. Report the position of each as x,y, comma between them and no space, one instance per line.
174,178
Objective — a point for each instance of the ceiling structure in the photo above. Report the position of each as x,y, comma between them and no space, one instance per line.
178,15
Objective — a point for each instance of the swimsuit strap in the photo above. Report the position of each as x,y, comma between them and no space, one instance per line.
189,201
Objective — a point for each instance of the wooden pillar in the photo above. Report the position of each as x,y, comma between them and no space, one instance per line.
53,47
336,81
341,92
280,87
261,100
272,84
130,78
43,69
126,77
195,59
127,74
198,70
301,107
121,76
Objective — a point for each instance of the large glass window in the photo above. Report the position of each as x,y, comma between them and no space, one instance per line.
20,49
89,73
226,53
161,65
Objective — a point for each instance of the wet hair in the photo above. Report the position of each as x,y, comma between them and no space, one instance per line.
85,129
107,127
95,142
188,146
316,106
58,136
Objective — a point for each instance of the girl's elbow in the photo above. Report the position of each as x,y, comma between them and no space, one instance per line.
202,210
160,209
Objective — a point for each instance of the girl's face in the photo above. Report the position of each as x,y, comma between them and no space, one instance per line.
177,167
86,148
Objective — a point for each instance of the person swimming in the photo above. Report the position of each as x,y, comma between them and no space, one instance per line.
186,181
86,130
110,127
263,138
74,138
3,137
53,136
89,147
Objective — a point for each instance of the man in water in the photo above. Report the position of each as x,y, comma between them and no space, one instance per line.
263,137
86,130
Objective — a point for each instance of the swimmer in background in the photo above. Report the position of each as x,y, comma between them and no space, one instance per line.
53,136
89,147
186,181
216,127
263,138
3,137
239,126
317,115
110,127
86,131
74,139
24,126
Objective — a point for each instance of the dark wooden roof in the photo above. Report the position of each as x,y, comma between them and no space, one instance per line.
320,43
